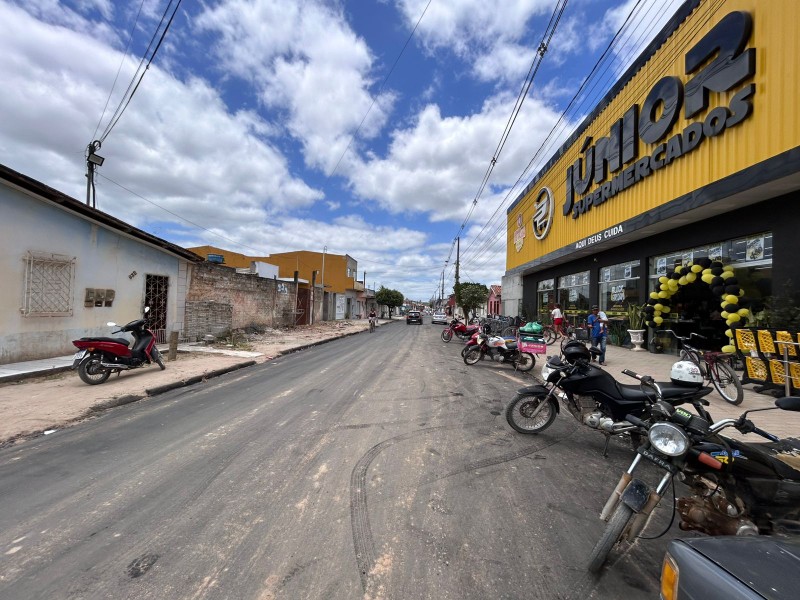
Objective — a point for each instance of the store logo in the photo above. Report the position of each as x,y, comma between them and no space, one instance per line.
543,213
519,234
717,63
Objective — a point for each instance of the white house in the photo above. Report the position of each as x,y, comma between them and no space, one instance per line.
67,269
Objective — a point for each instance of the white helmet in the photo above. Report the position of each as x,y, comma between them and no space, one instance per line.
686,373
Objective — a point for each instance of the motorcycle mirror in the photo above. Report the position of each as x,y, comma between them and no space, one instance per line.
788,403
111,324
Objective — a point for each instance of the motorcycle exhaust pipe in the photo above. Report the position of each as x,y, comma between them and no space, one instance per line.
115,366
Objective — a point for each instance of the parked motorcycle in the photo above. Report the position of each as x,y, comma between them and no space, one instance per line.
735,487
473,340
460,330
99,357
594,397
501,350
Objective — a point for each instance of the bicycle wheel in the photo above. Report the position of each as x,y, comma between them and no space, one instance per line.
549,334
509,332
726,382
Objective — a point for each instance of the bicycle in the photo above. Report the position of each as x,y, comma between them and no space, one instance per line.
372,323
715,367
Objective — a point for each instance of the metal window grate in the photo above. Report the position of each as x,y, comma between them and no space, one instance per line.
48,285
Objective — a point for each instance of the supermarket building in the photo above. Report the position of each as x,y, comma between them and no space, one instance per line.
693,154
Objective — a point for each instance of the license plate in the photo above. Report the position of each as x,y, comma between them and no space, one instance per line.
652,457
78,357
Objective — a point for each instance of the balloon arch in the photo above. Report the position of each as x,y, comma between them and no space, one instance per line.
723,283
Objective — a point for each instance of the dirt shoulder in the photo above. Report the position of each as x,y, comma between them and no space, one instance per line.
33,407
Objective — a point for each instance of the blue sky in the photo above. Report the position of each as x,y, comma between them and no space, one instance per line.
275,125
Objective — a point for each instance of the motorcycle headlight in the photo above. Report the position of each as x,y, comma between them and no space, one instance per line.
668,439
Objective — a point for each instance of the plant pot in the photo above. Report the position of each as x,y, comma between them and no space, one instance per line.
637,338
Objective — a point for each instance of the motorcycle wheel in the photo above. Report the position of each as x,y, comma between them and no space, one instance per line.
727,383
90,371
519,409
156,356
464,350
472,355
447,335
616,525
525,362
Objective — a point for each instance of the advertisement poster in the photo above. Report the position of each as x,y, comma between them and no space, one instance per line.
715,252
628,272
606,274
661,266
687,258
755,248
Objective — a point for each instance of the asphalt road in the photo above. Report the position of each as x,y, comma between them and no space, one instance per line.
375,466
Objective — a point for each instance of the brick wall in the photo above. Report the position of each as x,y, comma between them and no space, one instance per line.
218,296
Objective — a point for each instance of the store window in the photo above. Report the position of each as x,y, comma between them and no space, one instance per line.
695,308
573,293
545,297
619,286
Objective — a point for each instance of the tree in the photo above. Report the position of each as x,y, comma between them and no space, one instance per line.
390,298
471,296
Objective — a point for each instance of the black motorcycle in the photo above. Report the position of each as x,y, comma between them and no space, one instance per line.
735,487
591,395
499,349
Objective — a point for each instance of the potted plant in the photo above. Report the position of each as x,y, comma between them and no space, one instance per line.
636,316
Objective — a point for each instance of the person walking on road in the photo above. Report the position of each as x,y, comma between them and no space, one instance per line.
598,322
558,319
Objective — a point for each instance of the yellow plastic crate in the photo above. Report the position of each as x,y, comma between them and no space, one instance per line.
765,343
746,341
756,369
777,372
785,336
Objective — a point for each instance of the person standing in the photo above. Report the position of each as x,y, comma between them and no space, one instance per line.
598,322
558,319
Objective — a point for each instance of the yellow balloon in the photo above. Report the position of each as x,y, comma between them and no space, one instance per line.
707,278
673,284
678,268
723,304
741,293
658,320
664,286
657,313
743,312
728,333
683,281
724,314
729,349
659,307
731,299
727,268
654,295
663,279
696,269
663,295
734,317
665,309
706,271
691,277
728,322
727,274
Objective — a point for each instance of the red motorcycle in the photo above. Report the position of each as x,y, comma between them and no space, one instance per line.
460,330
99,357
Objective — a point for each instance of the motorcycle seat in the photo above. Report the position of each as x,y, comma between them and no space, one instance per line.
669,392
122,341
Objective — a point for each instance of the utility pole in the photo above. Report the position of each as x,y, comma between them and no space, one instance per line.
455,287
93,161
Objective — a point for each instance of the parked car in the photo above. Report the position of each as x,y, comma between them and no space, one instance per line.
413,316
731,568
439,317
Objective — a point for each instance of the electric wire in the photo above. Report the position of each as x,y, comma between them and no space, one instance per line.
133,87
119,70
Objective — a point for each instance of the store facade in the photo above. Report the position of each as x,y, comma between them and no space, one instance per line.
692,157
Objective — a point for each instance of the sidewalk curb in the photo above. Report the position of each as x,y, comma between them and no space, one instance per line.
333,339
191,380
32,374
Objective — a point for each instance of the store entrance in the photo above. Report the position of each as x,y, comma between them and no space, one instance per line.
695,309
